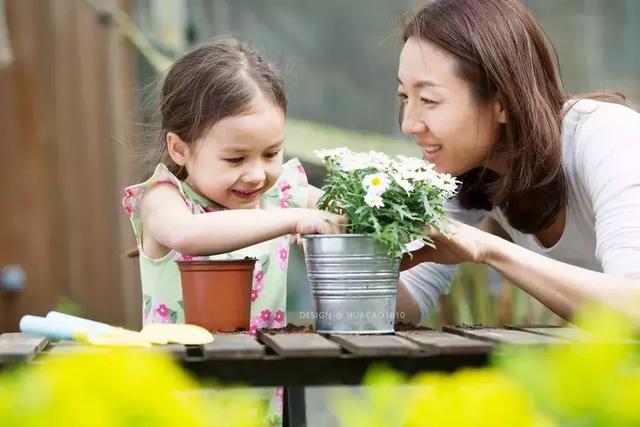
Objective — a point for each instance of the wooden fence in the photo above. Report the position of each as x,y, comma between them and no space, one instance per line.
66,115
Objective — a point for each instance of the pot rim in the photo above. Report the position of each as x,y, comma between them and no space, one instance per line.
216,261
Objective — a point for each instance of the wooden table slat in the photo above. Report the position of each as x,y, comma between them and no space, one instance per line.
236,346
300,344
505,336
434,342
572,333
19,347
376,345
567,332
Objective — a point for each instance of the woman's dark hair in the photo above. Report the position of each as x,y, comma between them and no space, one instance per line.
502,52
214,80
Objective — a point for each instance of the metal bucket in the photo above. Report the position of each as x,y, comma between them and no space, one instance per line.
353,282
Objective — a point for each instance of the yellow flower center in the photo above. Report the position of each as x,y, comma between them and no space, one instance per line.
375,181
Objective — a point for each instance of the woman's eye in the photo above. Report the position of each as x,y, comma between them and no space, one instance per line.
272,154
403,98
235,160
427,101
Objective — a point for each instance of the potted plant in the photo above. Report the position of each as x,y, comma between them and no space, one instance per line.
217,293
388,202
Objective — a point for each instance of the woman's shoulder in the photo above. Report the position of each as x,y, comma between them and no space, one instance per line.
593,127
591,114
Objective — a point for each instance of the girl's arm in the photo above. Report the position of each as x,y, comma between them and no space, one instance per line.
169,223
561,287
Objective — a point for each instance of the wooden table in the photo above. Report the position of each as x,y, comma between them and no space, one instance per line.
296,360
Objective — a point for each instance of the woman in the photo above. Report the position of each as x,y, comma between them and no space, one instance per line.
482,96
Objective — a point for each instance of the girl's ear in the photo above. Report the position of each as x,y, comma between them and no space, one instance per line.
178,149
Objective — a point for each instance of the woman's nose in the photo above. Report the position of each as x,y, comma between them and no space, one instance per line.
411,123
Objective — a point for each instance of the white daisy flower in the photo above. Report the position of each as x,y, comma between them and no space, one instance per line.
378,160
376,183
403,183
373,200
351,162
428,175
332,153
447,183
412,163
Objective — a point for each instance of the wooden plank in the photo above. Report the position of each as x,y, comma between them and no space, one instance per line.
434,342
18,347
505,336
376,345
300,344
66,348
566,332
70,348
233,346
570,333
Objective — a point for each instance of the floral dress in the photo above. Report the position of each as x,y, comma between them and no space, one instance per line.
160,277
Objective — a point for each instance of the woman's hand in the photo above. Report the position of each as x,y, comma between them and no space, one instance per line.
464,243
314,221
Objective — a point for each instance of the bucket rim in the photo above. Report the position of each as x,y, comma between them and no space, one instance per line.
335,236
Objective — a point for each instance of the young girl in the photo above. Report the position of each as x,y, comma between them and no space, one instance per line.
482,96
220,189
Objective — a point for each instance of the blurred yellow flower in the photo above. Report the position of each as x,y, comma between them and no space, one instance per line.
116,388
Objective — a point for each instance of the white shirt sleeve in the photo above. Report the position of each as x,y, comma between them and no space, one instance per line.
426,281
608,161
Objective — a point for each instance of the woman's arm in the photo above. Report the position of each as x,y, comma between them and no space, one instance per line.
561,287
168,221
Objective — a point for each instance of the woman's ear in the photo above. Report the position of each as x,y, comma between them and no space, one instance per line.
500,112
178,149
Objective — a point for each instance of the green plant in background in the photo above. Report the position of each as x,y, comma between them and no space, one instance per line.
480,296
593,382
117,389
464,399
392,199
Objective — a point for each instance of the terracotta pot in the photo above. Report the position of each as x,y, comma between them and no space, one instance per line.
217,293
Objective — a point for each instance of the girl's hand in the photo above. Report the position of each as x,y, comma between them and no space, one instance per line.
314,221
464,243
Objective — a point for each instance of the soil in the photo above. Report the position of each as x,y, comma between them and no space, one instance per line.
408,327
474,326
290,329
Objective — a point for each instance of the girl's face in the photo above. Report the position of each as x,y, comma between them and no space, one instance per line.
454,131
237,159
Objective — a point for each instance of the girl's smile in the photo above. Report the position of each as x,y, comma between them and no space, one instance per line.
247,195
239,158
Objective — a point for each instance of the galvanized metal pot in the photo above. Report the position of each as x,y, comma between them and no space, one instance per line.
353,282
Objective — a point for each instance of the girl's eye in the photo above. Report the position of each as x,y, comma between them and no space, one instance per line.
272,154
235,160
403,98
427,101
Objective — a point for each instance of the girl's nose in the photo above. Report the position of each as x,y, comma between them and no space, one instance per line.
254,175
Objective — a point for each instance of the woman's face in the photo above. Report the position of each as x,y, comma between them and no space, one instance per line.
454,131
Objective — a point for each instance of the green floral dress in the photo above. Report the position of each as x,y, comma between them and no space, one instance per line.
161,289
160,277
